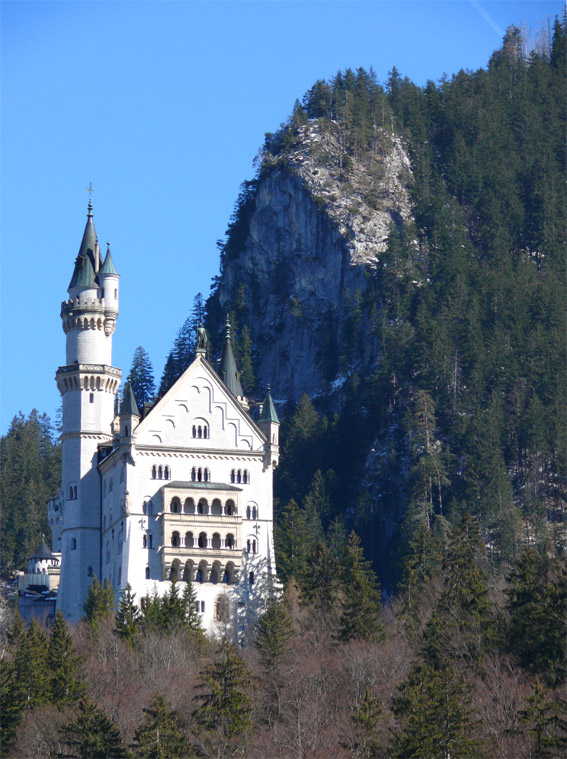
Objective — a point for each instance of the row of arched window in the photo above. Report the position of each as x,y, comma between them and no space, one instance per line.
200,431
148,540
200,474
161,472
203,541
251,512
251,546
240,476
203,507
203,572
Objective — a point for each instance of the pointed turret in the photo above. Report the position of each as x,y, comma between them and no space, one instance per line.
269,410
108,265
89,249
269,423
228,371
129,413
83,275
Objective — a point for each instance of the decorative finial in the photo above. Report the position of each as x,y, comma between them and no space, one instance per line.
90,191
108,247
269,387
227,327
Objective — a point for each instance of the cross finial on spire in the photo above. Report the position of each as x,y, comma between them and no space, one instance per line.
227,327
90,190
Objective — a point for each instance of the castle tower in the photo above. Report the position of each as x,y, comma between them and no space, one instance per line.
88,383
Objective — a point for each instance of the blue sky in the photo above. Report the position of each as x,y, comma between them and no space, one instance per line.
163,106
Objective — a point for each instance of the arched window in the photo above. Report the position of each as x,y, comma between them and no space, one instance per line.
247,546
200,576
205,475
145,541
147,573
232,476
202,506
154,472
253,546
202,540
251,578
175,505
246,476
226,577
166,473
160,473
175,539
229,541
150,540
193,474
214,578
189,506
202,607
216,507
145,507
189,540
216,541
230,508
205,431
221,609
239,476
248,512
73,544
125,431
254,513
194,431
90,572
199,431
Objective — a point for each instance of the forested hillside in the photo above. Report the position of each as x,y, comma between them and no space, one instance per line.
437,368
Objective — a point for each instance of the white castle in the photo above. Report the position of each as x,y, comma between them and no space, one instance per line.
182,490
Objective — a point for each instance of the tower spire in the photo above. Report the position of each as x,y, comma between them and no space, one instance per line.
228,371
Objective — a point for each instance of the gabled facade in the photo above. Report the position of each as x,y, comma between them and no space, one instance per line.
184,492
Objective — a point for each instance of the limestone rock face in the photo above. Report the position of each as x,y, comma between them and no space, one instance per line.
317,225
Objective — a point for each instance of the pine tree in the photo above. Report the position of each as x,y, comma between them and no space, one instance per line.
127,617
174,611
361,618
462,625
316,505
321,586
545,723
160,735
192,617
365,717
92,735
294,542
274,630
434,717
99,603
142,378
12,705
537,605
64,666
224,716
30,665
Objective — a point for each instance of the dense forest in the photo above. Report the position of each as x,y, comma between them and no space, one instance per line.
420,526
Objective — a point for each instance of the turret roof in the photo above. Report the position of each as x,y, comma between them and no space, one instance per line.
42,552
269,410
228,371
82,276
108,265
129,407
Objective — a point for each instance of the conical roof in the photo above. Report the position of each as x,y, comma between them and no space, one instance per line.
83,275
42,552
269,410
129,407
228,371
108,265
88,251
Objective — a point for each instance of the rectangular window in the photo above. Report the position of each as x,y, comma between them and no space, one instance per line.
91,398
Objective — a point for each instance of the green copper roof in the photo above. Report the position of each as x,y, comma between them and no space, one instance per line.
269,410
83,275
129,407
108,265
228,371
42,552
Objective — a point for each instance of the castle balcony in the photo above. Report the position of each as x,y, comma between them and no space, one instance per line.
200,564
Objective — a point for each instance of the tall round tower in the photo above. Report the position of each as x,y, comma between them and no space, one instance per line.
88,383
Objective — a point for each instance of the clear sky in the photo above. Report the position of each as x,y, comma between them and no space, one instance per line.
163,106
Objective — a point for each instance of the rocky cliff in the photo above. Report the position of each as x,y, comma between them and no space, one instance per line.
318,223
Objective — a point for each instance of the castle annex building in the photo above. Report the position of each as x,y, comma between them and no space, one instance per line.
180,490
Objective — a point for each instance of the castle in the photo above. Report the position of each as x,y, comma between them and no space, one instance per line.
182,490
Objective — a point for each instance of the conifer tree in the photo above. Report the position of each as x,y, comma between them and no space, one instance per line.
174,610
92,734
64,666
127,617
99,603
274,630
160,735
537,605
362,610
294,542
224,716
365,717
316,505
142,378
12,704
434,718
191,615
30,665
321,587
544,721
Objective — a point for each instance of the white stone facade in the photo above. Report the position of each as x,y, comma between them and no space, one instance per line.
184,492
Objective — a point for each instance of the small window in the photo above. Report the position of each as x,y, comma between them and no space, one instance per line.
150,540
145,507
194,431
115,294
91,398
193,474
90,572
73,544
154,471
147,574
202,607
144,542
248,512
253,546
254,513
247,546
166,473
232,476
119,575
251,578
110,485
125,433
160,473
